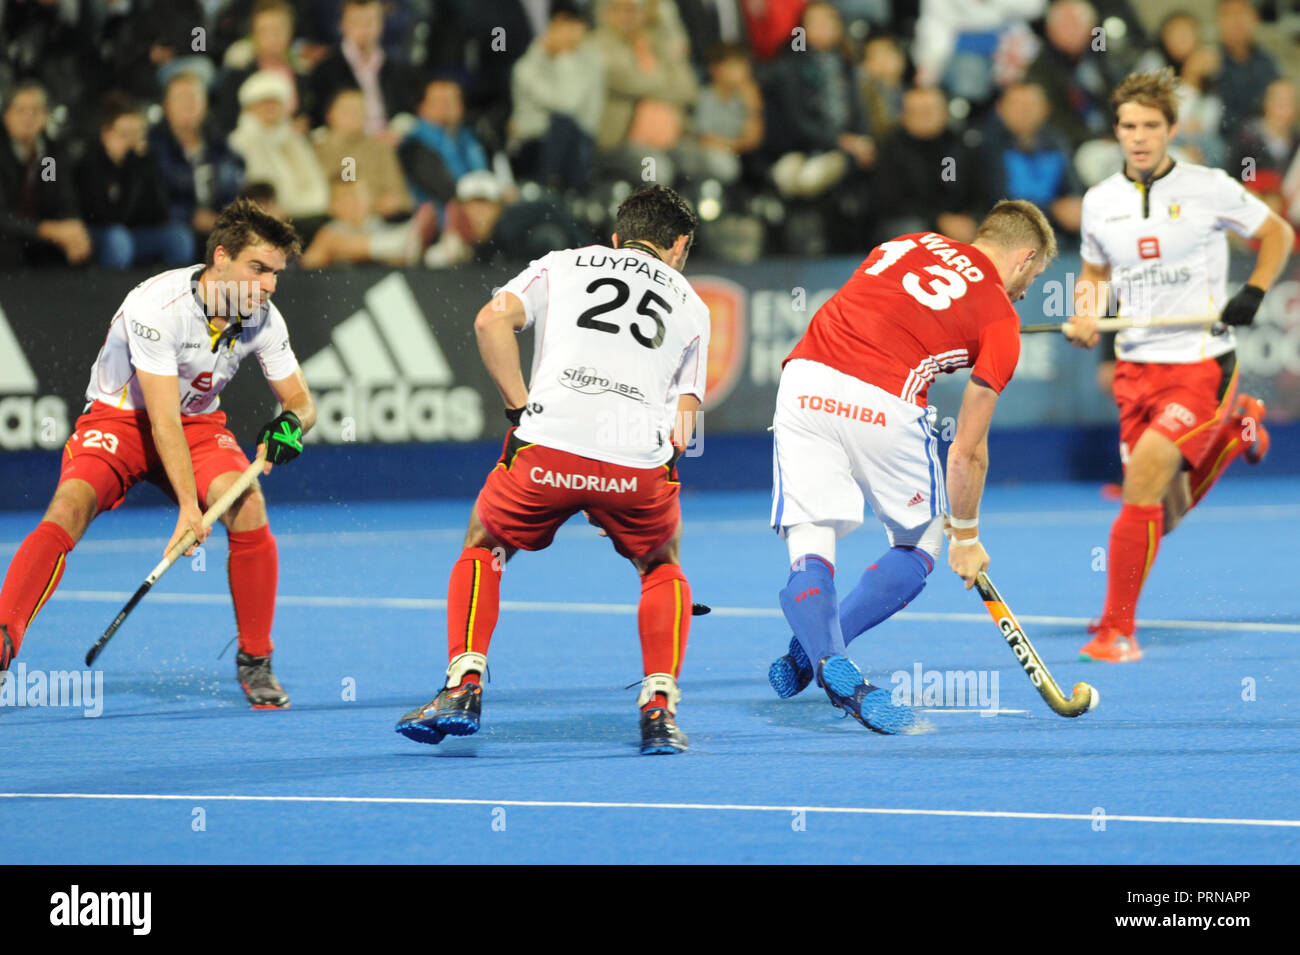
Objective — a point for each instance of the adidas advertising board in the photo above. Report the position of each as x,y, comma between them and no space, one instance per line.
28,418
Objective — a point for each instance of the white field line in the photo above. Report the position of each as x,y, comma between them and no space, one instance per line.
678,806
546,606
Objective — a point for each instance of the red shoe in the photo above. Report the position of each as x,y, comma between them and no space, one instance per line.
1111,646
1248,412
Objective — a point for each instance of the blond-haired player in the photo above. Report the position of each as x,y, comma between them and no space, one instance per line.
1156,231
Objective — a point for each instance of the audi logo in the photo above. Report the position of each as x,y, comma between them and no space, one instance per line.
145,332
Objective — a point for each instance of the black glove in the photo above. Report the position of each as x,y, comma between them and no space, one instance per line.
514,414
283,438
1241,308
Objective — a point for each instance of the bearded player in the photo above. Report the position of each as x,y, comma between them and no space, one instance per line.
1157,233
852,423
152,415
618,374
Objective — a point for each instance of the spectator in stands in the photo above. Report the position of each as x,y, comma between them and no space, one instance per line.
360,61
559,95
649,87
881,85
1247,69
40,222
1023,157
274,151
268,46
956,40
1200,110
440,149
1179,37
346,152
1072,73
814,103
481,227
142,43
728,117
770,24
356,233
1266,146
925,178
200,173
711,23
122,194
263,193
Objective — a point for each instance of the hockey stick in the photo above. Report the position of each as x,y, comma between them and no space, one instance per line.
1119,324
213,514
1083,698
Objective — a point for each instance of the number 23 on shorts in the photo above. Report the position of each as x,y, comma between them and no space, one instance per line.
94,438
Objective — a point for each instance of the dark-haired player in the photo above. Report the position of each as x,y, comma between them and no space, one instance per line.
1157,232
852,423
618,374
151,414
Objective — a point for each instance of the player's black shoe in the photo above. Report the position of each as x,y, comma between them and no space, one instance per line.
659,733
6,648
450,713
871,706
260,685
791,673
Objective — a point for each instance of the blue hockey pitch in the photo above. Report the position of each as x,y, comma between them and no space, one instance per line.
1192,756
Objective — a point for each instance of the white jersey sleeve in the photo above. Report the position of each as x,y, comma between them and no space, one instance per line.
531,287
274,353
1090,248
1235,208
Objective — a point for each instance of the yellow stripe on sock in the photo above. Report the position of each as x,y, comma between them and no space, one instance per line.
473,607
49,589
1214,471
677,625
1151,549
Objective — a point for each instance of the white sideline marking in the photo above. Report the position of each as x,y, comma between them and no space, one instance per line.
1244,512
546,606
703,807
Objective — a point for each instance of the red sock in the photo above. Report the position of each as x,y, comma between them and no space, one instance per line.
1134,541
664,620
1227,447
253,565
33,574
473,602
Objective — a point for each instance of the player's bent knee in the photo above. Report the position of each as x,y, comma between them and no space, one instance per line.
811,540
73,507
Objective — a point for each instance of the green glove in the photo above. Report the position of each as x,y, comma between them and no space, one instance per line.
282,437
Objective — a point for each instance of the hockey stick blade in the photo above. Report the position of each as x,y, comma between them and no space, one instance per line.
1082,698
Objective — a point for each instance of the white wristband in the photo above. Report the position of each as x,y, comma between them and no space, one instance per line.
962,523
963,541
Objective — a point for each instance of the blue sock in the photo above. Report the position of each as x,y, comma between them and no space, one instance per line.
812,609
886,587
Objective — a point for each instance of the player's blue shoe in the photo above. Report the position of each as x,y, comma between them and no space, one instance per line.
871,706
450,713
791,673
659,733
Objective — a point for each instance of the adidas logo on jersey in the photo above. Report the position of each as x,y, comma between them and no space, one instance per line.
27,420
916,499
385,378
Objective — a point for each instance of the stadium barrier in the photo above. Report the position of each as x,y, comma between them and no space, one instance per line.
391,358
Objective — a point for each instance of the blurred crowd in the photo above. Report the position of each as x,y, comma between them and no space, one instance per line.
438,132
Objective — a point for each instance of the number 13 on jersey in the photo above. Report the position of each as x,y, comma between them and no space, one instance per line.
939,292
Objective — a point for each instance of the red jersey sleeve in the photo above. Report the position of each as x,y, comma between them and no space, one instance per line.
999,353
